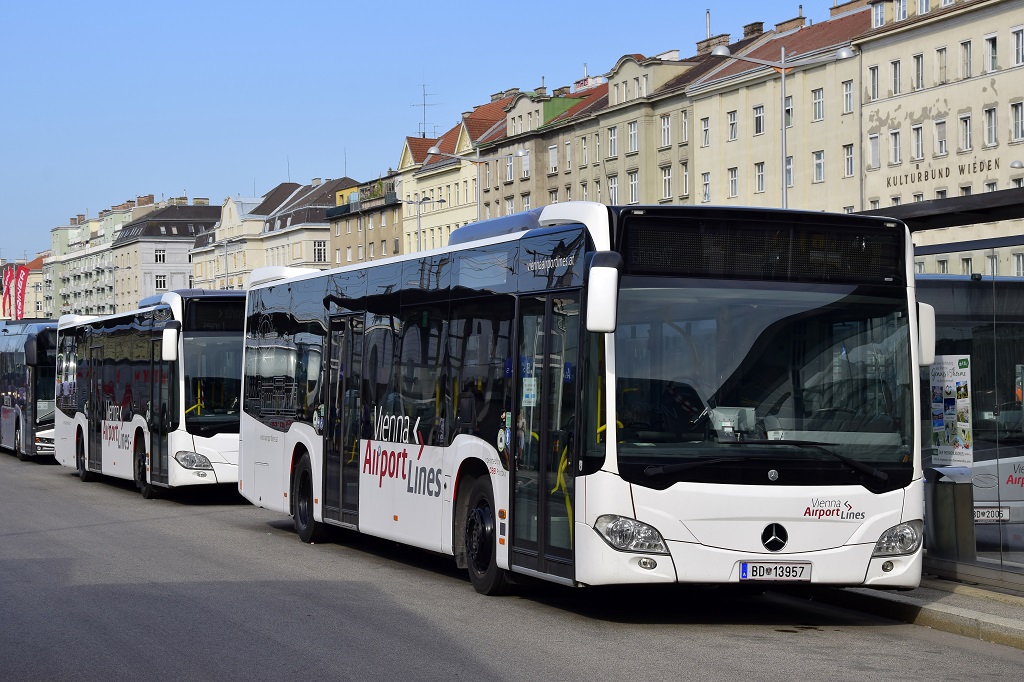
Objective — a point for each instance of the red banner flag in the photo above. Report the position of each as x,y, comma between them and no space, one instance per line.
20,284
8,280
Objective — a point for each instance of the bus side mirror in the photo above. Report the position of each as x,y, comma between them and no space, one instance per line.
169,342
925,334
603,291
31,354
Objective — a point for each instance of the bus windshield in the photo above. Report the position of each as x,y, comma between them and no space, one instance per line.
719,371
46,376
212,365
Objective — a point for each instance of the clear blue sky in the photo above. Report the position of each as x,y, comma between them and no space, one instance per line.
103,101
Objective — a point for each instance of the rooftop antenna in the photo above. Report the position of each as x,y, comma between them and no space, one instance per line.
423,125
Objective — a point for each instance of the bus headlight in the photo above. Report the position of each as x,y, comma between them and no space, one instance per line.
904,538
629,535
193,460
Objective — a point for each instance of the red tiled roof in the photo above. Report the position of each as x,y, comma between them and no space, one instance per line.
808,39
418,147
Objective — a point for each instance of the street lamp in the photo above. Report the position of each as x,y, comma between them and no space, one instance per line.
519,153
782,67
419,228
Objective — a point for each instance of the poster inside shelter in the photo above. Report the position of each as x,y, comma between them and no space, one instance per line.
952,433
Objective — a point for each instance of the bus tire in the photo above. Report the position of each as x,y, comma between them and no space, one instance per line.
83,473
481,540
139,466
309,530
18,450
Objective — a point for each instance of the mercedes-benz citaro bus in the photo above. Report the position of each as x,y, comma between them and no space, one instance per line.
27,360
595,395
153,394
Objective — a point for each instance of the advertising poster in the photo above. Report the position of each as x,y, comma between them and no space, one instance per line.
952,432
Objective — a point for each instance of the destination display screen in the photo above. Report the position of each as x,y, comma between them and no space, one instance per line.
215,316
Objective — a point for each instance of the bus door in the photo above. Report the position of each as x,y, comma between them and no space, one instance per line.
544,427
344,420
97,411
160,413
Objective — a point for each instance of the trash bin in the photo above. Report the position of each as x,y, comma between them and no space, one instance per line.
949,514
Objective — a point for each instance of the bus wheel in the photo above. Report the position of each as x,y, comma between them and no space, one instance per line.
481,540
18,450
83,473
145,487
309,530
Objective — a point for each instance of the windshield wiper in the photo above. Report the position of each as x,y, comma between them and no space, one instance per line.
820,447
660,469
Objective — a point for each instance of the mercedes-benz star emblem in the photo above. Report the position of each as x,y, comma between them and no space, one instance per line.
773,475
774,537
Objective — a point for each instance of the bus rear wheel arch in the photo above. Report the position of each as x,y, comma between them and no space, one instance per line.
18,449
145,486
83,472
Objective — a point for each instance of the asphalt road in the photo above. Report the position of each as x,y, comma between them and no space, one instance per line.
97,583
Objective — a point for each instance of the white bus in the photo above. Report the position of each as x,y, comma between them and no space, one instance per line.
153,395
27,358
595,395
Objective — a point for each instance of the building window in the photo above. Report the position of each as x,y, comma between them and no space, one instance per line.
613,142
583,191
940,65
877,15
991,54
1018,264
1018,46
553,159
895,152
873,204
734,182
359,250
990,127
320,251
632,137
919,267
732,125
847,97
965,132
940,138
526,202
552,196
873,82
686,179
966,266
1017,114
896,200
918,197
819,166
613,190
759,119
526,166
337,256
966,191
371,250
923,6
917,142
848,160
510,206
666,182
876,160
789,171
940,194
666,130
895,70
685,126
705,132
965,59
634,186
918,72
160,256
991,187
899,8
583,151
787,111
705,180
818,104
759,177
161,282
509,174
942,266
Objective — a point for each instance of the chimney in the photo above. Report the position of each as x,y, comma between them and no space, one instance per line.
511,92
754,28
466,114
791,24
705,46
200,201
81,219
561,92
315,182
540,91
145,201
496,96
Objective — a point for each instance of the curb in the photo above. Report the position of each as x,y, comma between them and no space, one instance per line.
908,609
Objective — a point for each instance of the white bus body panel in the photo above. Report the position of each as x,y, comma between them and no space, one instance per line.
264,472
221,449
9,416
711,529
118,445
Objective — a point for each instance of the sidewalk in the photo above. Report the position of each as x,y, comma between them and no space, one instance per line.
981,613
